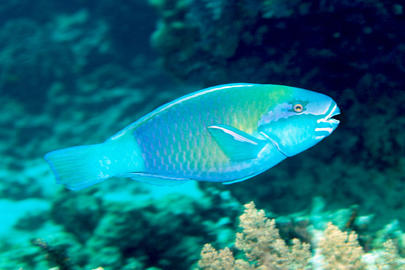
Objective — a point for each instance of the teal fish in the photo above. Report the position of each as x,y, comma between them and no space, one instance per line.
227,133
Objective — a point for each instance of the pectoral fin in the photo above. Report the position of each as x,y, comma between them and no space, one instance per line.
236,144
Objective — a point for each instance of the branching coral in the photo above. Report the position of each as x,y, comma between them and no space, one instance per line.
211,259
264,249
340,250
390,258
261,242
262,245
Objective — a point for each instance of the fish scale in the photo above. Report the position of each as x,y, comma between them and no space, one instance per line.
188,135
227,133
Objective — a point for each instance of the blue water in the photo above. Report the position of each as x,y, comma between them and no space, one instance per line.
76,72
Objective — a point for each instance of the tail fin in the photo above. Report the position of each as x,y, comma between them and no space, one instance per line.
80,166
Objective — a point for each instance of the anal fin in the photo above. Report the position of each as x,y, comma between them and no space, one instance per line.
158,180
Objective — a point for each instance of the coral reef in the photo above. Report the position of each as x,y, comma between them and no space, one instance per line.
261,242
132,228
344,253
265,249
258,40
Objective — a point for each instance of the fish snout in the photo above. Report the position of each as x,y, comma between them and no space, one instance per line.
327,124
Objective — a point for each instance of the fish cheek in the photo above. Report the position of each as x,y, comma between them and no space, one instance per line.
292,135
299,135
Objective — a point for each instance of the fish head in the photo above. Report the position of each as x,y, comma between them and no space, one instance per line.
301,119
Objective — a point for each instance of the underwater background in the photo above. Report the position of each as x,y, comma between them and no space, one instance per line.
75,72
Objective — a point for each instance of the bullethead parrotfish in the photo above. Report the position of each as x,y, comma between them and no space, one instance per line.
226,133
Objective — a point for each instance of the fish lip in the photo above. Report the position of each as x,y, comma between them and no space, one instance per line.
329,117
332,120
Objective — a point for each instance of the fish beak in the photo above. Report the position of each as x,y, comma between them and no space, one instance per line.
329,117
335,112
327,124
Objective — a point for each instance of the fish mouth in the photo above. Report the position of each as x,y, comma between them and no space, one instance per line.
327,124
334,117
329,118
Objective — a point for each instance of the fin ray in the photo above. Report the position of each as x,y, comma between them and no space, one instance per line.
77,167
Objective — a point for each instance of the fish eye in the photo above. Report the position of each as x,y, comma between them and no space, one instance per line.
298,108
